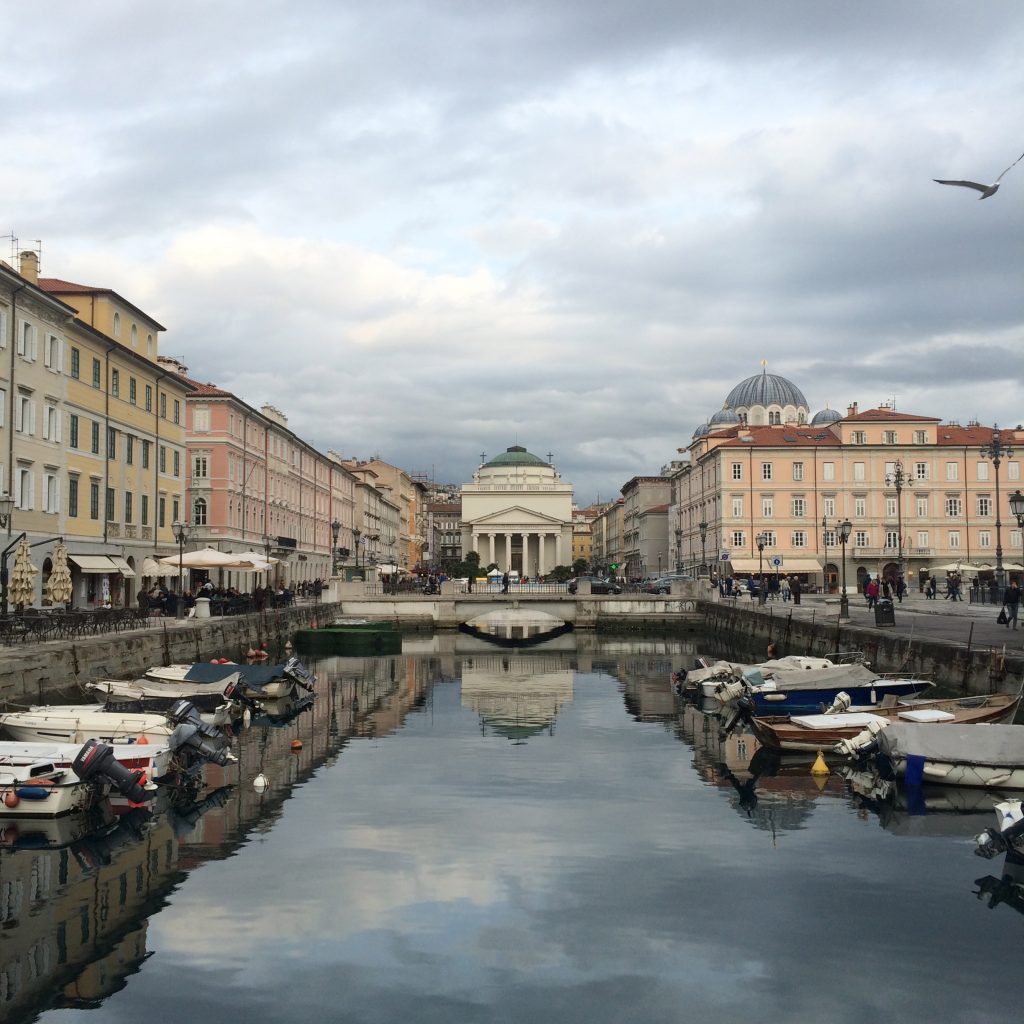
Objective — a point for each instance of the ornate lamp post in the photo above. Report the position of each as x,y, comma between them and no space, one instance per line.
824,544
356,534
181,532
679,550
703,527
1017,509
6,508
844,529
997,451
267,542
335,530
761,541
897,479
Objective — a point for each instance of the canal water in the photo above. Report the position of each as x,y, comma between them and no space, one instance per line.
471,834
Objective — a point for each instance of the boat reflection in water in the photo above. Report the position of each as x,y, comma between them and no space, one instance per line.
1008,889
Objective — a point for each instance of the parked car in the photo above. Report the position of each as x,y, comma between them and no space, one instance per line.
597,585
663,584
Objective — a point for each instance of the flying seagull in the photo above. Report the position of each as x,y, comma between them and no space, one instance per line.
985,190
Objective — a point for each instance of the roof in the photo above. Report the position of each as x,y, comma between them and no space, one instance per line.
655,508
777,437
883,415
57,286
516,455
765,389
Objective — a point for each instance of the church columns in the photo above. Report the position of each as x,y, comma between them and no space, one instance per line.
508,553
558,549
490,537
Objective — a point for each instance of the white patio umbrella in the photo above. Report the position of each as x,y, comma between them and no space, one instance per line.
151,567
58,586
207,558
257,556
22,588
255,566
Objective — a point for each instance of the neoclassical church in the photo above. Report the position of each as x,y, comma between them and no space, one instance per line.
517,514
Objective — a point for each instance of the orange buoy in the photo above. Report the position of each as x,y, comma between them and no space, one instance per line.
296,744
312,625
142,739
11,799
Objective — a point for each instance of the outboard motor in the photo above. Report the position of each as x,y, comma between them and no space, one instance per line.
743,710
1009,835
842,702
863,745
297,672
728,692
183,712
95,762
189,738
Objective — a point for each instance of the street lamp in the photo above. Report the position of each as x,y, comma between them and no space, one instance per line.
6,508
267,543
679,549
1017,508
844,529
181,531
356,534
896,479
997,451
703,527
760,540
335,530
824,542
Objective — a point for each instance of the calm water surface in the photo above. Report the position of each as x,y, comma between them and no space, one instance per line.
471,836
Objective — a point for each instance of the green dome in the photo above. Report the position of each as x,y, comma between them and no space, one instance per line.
516,456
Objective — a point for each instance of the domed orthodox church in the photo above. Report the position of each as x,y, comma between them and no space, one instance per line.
517,514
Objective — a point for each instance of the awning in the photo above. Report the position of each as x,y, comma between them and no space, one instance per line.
789,564
93,563
122,566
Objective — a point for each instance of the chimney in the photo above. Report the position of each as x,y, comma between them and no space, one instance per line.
852,410
29,266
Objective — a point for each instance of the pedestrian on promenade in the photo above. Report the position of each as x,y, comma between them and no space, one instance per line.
504,583
784,587
1011,603
901,588
953,588
771,652
871,592
794,588
931,587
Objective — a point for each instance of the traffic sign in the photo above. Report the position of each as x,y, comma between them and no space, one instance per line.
776,560
724,556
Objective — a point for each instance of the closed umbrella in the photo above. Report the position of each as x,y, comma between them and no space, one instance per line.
22,587
58,586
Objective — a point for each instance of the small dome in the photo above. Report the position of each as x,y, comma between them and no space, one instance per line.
724,417
819,419
516,455
702,431
765,389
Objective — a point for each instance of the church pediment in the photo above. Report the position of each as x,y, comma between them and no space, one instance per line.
516,516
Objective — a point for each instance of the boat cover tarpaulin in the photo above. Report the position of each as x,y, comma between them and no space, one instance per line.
734,670
842,676
254,675
994,745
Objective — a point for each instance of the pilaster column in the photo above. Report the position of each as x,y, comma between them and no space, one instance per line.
508,553
491,538
558,549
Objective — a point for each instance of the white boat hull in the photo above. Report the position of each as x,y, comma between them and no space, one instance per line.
76,723
953,774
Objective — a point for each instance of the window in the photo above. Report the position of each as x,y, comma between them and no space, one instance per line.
858,471
52,423
921,505
201,424
76,363
135,336
163,459
163,406
738,539
953,507
985,539
177,411
829,507
199,512
892,539
859,437
52,354
94,499
920,437
954,538
51,493
117,325
199,471
24,488
133,391
860,539
830,539
129,449
128,510
111,443
111,496
144,509
890,508
146,445
952,470
1016,538
888,437
799,538
828,471
26,415
73,430
798,471
766,471
176,461
97,371
982,470
73,497
920,470
984,505
149,398
860,507
922,538
26,345
1013,471
95,437
767,507
799,508
175,510
115,383
769,538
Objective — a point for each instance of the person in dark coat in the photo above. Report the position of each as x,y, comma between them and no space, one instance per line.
794,588
1011,602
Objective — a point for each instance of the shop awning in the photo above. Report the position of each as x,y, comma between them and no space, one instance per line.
93,563
122,566
789,564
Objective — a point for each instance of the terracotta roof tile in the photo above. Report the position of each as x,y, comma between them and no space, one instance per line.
887,416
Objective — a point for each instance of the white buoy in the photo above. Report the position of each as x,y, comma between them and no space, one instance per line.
260,783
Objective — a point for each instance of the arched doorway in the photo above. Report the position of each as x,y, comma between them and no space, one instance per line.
47,570
832,579
862,578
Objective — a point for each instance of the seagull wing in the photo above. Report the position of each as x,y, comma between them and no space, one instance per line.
966,184
1014,164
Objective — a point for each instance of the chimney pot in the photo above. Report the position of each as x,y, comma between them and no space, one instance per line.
29,266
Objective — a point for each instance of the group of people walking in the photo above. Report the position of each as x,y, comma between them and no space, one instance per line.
884,588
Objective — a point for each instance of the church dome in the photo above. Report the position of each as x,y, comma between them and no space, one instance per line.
820,419
702,431
516,455
724,417
765,389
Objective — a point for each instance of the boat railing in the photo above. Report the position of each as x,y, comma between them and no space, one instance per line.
846,657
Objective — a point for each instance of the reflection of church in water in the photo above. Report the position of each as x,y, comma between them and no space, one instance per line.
516,696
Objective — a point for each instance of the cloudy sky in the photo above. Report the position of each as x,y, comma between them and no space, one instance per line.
427,229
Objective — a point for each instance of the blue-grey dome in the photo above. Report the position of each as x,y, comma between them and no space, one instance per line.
724,417
765,389
819,419
702,431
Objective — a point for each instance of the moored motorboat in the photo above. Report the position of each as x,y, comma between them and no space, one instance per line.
811,733
76,723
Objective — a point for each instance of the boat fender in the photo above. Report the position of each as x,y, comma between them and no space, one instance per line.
11,798
32,793
259,783
296,744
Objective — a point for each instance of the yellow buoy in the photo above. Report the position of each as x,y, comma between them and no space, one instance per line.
819,767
